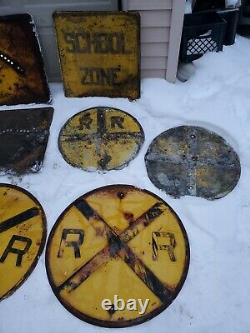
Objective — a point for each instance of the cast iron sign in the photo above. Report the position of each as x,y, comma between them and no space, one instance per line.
22,76
189,160
99,53
24,135
100,139
117,242
22,236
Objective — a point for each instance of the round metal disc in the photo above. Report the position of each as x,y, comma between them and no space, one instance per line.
189,160
100,139
22,237
117,242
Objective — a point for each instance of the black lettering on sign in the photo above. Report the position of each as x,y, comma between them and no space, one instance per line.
83,42
85,121
99,76
101,43
79,42
75,244
163,241
117,121
19,252
98,42
117,40
69,38
87,76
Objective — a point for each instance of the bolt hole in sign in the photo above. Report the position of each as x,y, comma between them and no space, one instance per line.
117,256
99,53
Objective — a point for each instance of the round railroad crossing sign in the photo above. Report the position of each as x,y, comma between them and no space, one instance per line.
117,256
189,160
100,139
22,236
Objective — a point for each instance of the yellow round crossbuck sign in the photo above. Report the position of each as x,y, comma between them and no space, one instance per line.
100,139
117,256
22,236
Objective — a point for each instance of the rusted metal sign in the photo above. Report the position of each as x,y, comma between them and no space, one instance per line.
22,237
189,160
117,242
22,76
23,139
100,139
99,53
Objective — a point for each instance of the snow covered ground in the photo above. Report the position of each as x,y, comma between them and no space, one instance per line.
215,297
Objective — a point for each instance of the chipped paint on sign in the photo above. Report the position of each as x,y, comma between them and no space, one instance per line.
100,139
190,160
22,76
22,237
24,135
99,53
117,240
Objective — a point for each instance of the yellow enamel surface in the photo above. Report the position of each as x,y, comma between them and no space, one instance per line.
114,210
68,264
83,59
83,145
128,122
169,272
12,203
118,209
115,278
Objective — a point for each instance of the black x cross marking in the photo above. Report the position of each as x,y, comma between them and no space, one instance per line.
18,219
118,248
101,136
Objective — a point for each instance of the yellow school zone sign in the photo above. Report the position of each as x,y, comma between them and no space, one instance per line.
22,237
99,53
117,256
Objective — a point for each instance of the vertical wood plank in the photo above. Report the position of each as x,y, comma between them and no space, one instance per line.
175,39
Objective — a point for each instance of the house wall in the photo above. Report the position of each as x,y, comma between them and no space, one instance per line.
161,29
42,13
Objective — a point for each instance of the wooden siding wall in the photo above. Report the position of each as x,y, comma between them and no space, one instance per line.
161,28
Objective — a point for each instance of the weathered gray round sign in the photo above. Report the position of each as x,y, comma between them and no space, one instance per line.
189,160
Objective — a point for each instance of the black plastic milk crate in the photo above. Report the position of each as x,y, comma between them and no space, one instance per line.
202,32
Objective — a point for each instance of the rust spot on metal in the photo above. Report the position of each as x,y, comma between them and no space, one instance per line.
23,139
190,160
129,216
22,76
